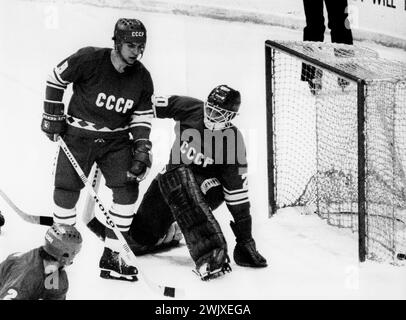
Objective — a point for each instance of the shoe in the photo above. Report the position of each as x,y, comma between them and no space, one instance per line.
113,266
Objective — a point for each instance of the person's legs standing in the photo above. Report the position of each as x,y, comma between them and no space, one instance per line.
114,160
313,31
340,30
337,11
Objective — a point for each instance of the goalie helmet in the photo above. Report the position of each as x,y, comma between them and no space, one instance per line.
63,242
130,30
221,107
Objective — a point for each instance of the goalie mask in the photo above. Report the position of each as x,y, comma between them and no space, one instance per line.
221,107
131,31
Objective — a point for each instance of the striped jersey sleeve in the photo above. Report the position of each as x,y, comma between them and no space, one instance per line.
234,177
235,186
67,71
140,124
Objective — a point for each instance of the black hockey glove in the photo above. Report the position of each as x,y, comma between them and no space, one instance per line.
141,162
53,125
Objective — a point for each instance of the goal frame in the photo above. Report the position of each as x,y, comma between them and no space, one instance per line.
270,48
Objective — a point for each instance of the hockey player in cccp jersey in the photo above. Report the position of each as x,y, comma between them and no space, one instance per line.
107,122
207,167
39,273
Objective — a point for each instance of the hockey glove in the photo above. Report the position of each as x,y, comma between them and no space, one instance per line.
53,125
53,119
141,162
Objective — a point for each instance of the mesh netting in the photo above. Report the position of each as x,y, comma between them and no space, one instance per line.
315,116
360,62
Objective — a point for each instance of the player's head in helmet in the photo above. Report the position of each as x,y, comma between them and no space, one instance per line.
62,242
221,107
130,37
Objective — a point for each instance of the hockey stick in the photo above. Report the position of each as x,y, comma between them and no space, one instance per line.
88,207
88,213
128,255
42,220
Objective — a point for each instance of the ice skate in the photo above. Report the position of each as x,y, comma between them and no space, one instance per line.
112,266
245,253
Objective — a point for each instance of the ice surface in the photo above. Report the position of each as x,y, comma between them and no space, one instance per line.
189,56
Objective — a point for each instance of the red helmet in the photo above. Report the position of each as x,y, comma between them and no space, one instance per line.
63,242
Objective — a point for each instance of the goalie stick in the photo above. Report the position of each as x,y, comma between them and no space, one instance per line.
88,209
128,255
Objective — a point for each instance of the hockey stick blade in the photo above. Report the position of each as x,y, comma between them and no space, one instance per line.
41,220
48,220
128,255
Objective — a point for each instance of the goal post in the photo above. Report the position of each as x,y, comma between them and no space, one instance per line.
336,135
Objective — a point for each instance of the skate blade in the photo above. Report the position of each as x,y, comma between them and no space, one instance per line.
209,275
110,274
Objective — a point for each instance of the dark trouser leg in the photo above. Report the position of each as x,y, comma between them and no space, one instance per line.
337,16
67,182
314,31
340,29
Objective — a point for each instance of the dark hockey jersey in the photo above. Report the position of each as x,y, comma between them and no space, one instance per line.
220,154
22,277
105,102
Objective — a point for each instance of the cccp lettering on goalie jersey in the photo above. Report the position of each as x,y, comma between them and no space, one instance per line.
22,277
105,102
220,153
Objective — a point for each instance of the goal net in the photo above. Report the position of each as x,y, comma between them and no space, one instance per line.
337,140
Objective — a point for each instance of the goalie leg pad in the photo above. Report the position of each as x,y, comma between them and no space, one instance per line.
200,229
